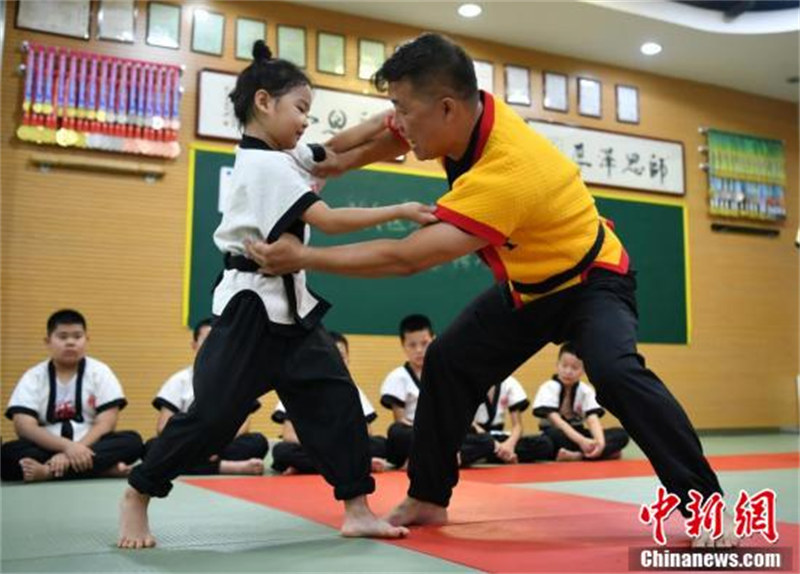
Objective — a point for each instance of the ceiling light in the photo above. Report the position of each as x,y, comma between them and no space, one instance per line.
650,48
469,10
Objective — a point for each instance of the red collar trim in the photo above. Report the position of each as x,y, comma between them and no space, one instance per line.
485,128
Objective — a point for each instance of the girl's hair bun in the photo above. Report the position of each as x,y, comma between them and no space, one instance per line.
261,51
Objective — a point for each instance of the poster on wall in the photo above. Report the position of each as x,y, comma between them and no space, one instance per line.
618,160
333,111
215,117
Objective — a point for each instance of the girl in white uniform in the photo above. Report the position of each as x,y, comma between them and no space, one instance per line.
268,333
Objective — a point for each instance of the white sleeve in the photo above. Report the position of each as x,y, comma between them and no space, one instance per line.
547,399
170,395
366,407
588,403
25,399
291,193
393,389
307,156
109,390
517,398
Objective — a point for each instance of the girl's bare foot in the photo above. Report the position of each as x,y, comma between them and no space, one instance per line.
565,455
289,471
413,511
359,521
379,464
35,471
134,531
119,470
250,466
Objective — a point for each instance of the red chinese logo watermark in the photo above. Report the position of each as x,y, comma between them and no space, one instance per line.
752,514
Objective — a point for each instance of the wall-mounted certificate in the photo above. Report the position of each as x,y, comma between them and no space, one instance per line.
371,55
55,17
247,32
164,25
627,104
518,85
116,20
589,97
484,72
292,44
555,92
208,32
330,53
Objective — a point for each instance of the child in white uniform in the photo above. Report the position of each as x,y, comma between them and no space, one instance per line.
268,333
489,423
289,456
564,403
65,412
243,455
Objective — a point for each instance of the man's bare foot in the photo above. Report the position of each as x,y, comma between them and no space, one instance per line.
119,470
134,531
250,466
290,471
565,455
413,511
379,464
360,522
35,471
727,540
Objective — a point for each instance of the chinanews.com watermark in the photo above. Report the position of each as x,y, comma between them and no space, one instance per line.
744,559
752,515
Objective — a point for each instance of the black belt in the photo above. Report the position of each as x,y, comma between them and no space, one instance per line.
240,263
552,282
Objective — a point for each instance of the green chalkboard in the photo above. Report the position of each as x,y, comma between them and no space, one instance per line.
653,234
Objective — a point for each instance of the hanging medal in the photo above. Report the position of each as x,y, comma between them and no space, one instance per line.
39,99
176,99
91,111
24,131
81,110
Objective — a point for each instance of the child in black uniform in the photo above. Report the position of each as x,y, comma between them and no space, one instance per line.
268,333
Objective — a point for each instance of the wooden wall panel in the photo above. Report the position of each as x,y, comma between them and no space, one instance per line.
113,246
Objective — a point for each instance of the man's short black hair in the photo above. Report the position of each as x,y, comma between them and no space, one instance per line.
65,317
431,62
199,326
414,323
339,338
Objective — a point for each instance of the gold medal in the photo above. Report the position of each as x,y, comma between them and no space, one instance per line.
23,133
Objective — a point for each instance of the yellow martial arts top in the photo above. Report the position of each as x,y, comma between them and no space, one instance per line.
520,193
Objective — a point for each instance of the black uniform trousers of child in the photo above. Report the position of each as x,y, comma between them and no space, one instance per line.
243,447
616,439
490,339
292,454
243,357
110,449
473,448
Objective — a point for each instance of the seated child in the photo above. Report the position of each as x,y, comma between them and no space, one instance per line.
243,455
65,410
489,424
400,392
289,456
564,403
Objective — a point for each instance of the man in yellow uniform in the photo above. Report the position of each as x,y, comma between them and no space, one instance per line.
562,274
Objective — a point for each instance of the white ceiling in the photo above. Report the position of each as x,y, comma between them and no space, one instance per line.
611,32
